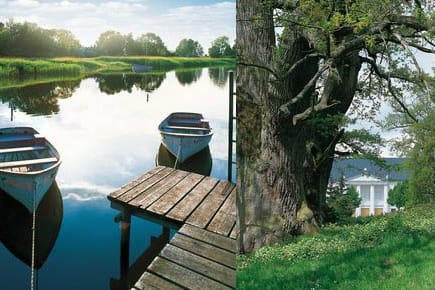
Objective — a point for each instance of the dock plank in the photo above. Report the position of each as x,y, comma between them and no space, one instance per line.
186,206
205,250
224,220
135,182
151,281
147,197
182,276
234,231
175,194
139,188
210,205
201,265
209,237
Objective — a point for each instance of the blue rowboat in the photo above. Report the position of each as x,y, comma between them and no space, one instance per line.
185,134
28,165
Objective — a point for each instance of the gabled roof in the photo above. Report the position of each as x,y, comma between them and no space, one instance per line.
352,167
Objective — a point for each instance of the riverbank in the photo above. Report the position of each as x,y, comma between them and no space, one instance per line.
81,67
389,252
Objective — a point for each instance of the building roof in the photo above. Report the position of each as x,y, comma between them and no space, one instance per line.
351,167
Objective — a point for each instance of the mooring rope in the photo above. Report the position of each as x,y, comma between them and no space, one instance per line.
178,155
32,275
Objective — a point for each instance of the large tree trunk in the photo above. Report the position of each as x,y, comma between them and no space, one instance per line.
283,168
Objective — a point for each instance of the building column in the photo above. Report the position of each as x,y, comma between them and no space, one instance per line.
358,209
386,205
372,200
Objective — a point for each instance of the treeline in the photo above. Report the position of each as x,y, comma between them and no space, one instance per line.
29,40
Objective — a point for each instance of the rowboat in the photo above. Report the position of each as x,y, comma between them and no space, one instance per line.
138,68
28,165
185,134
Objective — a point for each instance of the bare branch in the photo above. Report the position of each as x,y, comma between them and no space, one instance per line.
419,47
420,71
305,114
259,66
285,109
301,61
402,105
387,77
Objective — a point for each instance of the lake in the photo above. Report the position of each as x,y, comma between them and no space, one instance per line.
105,128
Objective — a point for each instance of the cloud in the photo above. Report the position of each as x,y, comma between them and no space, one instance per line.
87,20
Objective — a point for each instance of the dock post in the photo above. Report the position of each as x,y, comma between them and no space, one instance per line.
230,126
124,223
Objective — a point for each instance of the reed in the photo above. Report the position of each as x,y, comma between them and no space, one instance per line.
20,67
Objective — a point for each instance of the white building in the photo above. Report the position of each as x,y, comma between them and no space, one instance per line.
371,181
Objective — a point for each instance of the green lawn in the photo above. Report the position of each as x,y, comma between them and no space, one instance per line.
392,252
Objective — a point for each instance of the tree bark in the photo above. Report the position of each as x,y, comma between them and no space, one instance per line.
283,168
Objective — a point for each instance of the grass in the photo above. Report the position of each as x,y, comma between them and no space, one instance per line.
74,66
392,252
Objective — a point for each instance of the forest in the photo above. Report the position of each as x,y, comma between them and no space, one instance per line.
29,40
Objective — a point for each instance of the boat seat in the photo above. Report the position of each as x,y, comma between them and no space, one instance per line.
28,162
185,128
22,149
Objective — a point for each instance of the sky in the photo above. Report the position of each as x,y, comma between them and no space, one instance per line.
172,20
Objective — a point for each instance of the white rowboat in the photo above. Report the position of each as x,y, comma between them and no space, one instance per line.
185,134
28,165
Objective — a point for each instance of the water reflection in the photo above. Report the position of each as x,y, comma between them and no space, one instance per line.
39,99
219,75
187,77
112,84
16,226
200,163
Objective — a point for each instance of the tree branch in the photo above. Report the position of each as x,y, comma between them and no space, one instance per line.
259,66
299,62
387,77
285,108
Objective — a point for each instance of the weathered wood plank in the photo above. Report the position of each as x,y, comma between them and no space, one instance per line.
175,194
149,183
182,276
234,231
210,205
150,281
148,196
209,237
186,206
135,182
201,265
224,220
205,250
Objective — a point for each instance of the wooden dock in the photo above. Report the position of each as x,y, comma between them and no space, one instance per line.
201,255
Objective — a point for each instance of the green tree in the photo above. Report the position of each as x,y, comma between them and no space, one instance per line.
152,44
66,44
111,43
295,86
189,48
220,47
397,196
421,161
341,201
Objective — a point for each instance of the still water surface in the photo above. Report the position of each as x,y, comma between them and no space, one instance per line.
105,129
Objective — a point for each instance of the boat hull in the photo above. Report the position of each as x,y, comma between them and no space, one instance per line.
25,187
182,146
